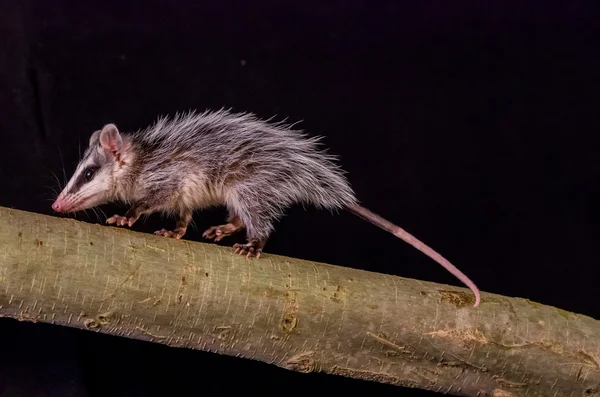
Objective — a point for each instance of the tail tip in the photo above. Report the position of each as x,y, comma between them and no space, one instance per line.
477,299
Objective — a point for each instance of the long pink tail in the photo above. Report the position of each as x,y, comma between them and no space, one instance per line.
410,239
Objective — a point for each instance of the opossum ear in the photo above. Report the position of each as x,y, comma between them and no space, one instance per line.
94,138
110,139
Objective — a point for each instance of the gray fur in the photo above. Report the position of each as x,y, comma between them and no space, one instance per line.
196,160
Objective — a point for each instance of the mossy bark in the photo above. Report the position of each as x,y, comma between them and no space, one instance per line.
296,314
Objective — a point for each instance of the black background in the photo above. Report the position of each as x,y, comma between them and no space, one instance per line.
472,126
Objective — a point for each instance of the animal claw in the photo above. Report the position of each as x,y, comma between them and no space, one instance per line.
120,220
249,249
219,232
209,233
169,233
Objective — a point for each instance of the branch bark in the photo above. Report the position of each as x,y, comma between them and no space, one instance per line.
295,314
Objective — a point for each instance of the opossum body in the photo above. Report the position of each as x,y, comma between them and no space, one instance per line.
192,161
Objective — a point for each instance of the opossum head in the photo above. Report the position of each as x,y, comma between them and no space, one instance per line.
96,176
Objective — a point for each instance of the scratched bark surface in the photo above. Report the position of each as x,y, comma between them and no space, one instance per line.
296,314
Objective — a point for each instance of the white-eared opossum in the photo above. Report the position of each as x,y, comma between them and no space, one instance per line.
257,169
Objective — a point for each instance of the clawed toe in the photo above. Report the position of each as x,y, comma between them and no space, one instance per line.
210,233
120,220
169,233
249,250
218,232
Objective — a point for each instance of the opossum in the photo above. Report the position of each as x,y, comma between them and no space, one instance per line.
254,167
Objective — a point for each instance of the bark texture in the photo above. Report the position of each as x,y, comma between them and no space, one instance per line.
296,314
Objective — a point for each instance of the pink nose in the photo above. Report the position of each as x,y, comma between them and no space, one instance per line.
57,206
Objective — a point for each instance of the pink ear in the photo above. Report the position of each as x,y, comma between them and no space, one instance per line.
110,139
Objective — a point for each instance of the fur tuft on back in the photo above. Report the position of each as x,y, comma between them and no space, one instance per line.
260,164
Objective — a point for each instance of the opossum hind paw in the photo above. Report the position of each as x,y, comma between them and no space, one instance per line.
253,248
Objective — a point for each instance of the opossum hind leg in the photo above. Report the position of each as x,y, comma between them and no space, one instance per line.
258,227
257,214
233,225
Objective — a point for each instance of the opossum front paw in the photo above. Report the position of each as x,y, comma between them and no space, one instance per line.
121,220
176,234
249,249
218,232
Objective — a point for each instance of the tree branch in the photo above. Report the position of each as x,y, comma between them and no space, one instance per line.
295,314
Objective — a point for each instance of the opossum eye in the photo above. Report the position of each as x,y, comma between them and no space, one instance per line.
89,173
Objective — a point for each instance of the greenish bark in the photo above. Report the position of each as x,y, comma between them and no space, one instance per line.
296,314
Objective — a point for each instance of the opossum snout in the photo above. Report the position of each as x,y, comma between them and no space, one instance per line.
58,205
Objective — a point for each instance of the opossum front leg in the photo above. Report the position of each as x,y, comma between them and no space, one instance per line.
233,225
131,216
180,227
